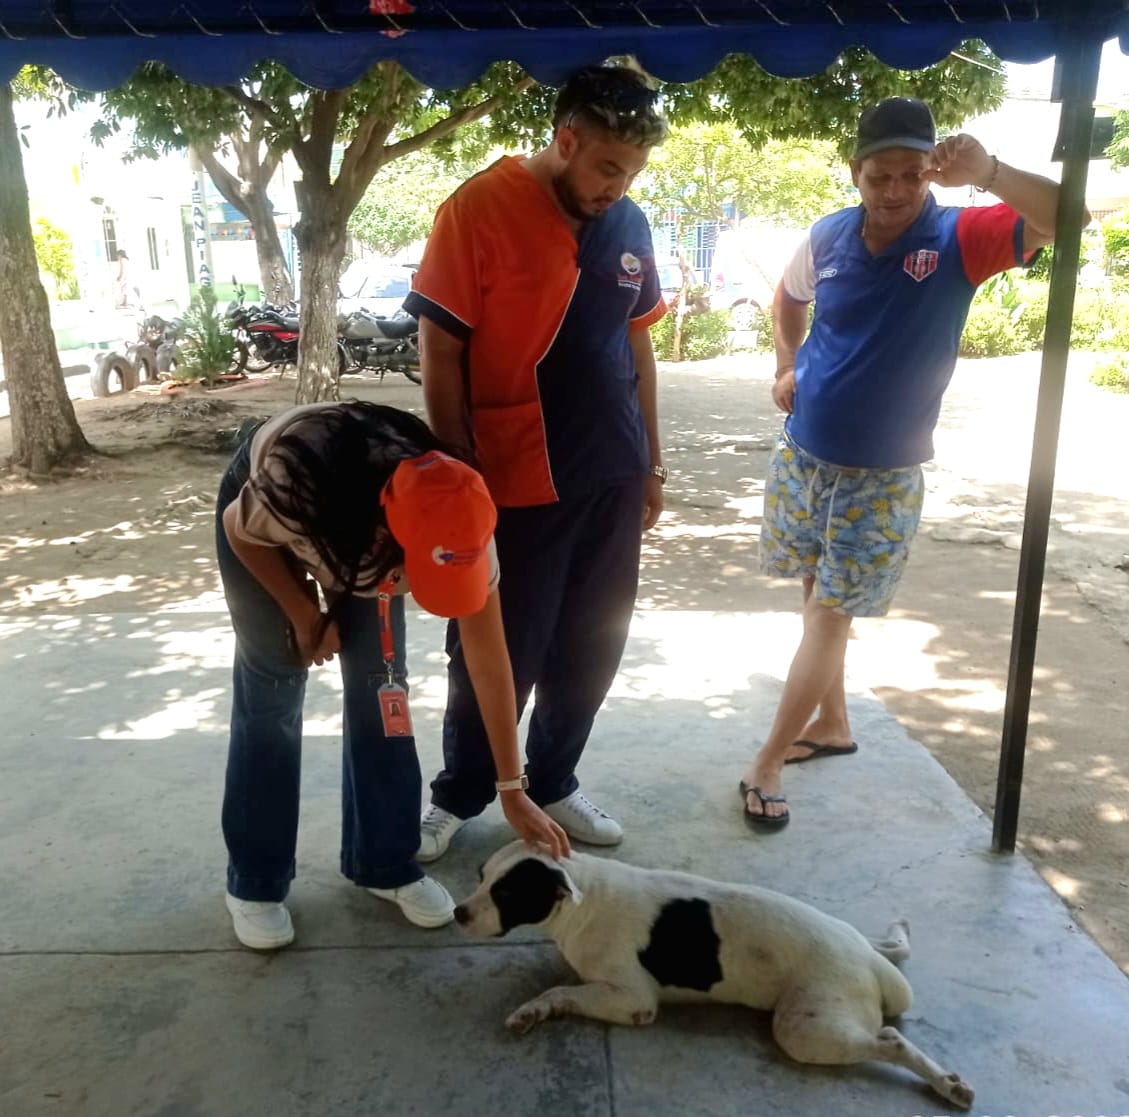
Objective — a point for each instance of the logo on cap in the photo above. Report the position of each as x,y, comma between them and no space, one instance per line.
921,264
443,556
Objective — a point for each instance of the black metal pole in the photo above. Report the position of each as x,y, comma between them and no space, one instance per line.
1080,59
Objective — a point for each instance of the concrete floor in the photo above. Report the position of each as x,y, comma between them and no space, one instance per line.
123,990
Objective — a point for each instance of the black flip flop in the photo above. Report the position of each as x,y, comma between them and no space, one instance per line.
763,821
818,752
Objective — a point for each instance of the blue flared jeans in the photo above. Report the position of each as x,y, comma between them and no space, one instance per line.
381,780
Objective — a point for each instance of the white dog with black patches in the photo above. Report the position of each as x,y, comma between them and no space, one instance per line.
637,937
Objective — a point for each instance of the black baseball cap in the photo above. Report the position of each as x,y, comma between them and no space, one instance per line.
896,122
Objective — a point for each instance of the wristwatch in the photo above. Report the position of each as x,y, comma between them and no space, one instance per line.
518,784
659,471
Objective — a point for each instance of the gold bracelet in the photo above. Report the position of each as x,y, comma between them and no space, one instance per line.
518,784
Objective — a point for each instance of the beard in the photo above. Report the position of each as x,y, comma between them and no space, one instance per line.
570,201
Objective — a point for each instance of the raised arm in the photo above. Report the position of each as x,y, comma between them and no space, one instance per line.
962,161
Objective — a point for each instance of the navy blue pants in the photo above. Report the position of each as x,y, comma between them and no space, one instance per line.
381,781
570,572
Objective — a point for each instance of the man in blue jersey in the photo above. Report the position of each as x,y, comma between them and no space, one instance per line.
892,280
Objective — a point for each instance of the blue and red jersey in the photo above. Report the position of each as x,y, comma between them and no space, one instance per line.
886,329
551,381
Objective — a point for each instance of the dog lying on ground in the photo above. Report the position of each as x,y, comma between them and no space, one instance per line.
637,937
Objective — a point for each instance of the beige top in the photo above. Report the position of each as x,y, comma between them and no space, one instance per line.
255,521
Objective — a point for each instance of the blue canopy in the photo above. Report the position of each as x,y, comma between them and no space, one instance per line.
448,43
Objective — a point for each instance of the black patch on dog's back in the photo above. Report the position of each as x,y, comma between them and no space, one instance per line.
527,893
684,948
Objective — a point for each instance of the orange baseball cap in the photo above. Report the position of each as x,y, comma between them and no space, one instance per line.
440,512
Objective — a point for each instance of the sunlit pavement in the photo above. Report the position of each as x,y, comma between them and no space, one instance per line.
124,991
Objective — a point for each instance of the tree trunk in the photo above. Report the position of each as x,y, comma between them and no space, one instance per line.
45,431
321,240
248,194
273,275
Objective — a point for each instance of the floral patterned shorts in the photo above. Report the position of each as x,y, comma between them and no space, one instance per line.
849,529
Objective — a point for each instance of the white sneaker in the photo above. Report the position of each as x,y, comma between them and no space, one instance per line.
436,829
260,925
584,821
426,903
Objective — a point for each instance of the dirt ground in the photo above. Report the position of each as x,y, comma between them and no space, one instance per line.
131,530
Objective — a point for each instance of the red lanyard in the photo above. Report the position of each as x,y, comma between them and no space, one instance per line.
387,648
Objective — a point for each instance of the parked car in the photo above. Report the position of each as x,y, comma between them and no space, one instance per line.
747,265
670,281
380,291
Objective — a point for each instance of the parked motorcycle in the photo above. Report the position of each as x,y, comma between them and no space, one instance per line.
380,344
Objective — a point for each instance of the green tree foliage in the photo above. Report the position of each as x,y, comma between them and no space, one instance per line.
55,253
764,107
399,206
1115,240
703,168
1118,150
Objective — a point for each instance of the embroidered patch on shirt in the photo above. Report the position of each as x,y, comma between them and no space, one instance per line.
921,264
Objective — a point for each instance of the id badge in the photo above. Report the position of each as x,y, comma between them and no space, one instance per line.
394,713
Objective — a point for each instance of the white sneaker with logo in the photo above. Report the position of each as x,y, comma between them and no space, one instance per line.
436,829
425,902
260,925
582,820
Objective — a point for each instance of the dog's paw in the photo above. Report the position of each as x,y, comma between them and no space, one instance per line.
957,1091
526,1018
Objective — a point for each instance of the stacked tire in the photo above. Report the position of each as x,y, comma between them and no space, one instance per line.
112,374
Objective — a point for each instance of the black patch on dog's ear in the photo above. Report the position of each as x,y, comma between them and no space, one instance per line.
527,893
684,949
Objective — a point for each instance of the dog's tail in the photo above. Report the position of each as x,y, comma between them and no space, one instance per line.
897,996
895,946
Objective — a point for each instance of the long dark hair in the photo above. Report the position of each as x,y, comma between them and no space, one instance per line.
336,466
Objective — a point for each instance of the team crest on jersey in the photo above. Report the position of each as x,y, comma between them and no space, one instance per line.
630,263
920,264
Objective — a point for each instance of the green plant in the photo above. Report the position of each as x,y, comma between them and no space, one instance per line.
703,335
989,332
1115,240
206,343
709,335
55,253
662,336
1093,326
1002,291
1031,323
1113,375
1040,268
